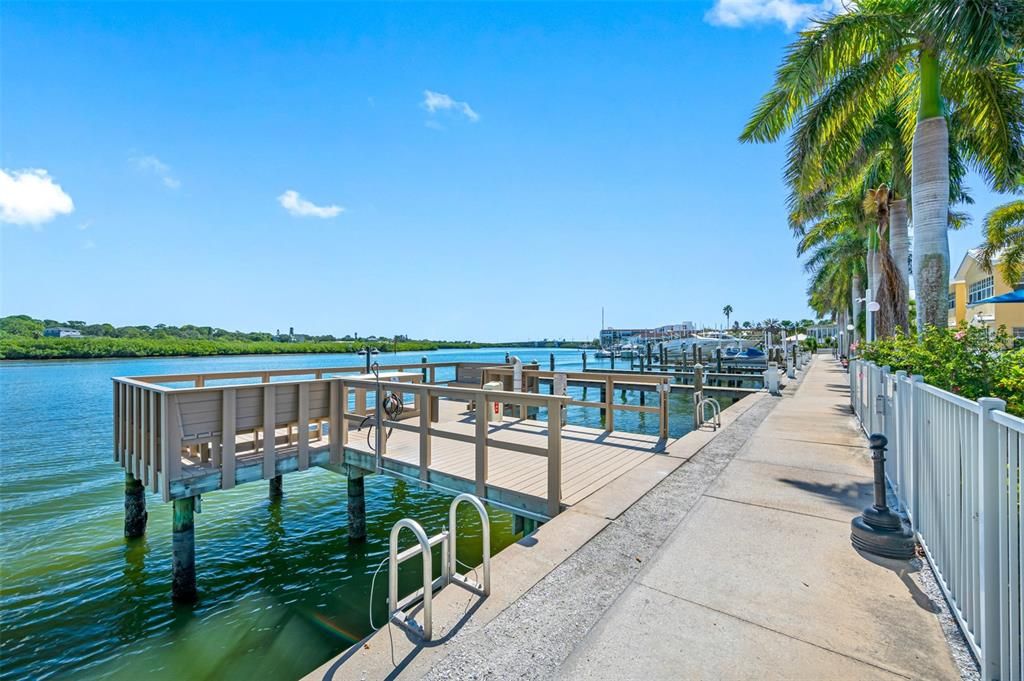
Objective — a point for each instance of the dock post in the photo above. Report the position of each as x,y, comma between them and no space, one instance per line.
650,352
718,359
584,360
369,359
135,515
183,548
276,487
698,388
356,480
551,366
613,361
423,361
643,397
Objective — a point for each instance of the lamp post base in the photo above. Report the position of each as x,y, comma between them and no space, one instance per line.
888,538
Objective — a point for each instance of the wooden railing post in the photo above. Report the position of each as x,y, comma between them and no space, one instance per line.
302,443
335,419
228,432
426,408
481,445
554,457
609,400
269,432
170,455
663,397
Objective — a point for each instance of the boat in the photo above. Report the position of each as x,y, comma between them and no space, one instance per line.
627,351
603,353
361,351
709,342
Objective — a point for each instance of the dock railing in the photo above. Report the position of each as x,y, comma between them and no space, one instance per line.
957,471
183,441
607,383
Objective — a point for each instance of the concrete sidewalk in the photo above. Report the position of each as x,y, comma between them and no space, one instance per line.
759,581
738,565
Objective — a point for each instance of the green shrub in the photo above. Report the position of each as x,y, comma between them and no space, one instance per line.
967,360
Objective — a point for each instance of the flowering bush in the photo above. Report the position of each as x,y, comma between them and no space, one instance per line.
966,360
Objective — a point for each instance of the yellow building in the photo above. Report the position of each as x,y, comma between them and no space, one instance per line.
971,283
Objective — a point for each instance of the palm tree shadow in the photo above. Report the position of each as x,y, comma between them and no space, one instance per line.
852,495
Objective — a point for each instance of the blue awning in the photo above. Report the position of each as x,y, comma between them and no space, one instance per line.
1011,297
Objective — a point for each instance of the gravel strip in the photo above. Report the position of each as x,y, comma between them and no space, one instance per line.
536,633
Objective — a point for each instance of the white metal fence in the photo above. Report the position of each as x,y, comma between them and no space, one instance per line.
956,467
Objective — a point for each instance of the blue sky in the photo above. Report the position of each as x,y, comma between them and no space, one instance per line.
488,171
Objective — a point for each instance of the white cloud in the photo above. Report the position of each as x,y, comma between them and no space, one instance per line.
437,101
792,13
88,245
151,164
31,197
86,225
292,202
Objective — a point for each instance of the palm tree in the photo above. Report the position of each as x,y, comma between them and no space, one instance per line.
1004,237
747,325
956,59
727,311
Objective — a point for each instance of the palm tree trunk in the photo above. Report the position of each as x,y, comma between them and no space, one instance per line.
930,197
899,244
874,269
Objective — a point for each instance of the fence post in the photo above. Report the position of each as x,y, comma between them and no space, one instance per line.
900,433
915,438
989,475
882,399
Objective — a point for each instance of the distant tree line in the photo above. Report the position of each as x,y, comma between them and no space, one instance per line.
21,337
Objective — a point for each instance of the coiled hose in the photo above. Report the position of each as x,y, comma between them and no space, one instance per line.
393,407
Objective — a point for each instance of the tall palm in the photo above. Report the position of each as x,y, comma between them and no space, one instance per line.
955,58
1004,237
727,311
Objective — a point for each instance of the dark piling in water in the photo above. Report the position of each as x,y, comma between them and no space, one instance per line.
135,515
183,560
356,504
276,487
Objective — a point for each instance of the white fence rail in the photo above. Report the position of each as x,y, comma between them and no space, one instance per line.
956,467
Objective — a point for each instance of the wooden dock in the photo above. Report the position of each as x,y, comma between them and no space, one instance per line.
188,435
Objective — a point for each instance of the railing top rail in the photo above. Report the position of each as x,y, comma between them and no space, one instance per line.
299,371
959,401
491,395
1008,420
531,399
590,375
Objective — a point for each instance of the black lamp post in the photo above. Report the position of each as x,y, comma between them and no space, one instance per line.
877,530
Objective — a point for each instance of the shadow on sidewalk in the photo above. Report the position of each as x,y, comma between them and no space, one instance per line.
904,569
852,495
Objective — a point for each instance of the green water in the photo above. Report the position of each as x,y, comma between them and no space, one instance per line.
281,588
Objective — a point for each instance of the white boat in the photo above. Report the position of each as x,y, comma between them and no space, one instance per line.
627,351
709,342
603,354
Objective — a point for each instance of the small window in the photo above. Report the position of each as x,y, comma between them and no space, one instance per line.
1018,332
952,300
980,290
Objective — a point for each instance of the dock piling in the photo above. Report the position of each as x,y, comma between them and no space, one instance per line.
183,547
584,360
356,480
276,487
135,514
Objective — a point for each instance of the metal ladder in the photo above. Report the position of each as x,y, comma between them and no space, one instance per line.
716,411
449,567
